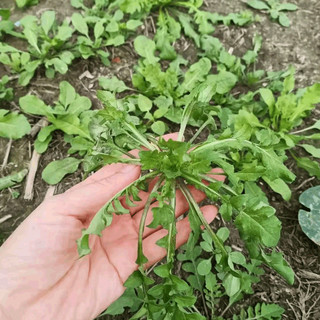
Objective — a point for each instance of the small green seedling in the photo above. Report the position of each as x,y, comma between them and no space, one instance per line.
70,114
275,9
310,220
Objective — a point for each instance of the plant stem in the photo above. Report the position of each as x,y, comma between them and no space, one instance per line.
140,137
224,186
171,234
144,217
200,130
185,118
196,207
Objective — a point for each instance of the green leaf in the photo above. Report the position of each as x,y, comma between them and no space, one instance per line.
277,262
57,170
287,7
259,5
13,179
67,93
99,29
33,105
13,125
159,127
113,84
47,20
312,167
279,186
225,81
259,225
310,220
315,152
284,20
268,98
145,47
80,24
144,103
204,267
231,284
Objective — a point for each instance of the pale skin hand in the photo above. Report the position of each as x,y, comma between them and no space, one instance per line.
41,276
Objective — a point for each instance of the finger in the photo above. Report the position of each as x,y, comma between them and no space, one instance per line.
182,205
154,253
86,200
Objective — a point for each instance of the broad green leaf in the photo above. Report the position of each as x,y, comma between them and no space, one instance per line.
32,38
310,220
259,225
315,152
112,84
80,24
225,81
287,7
231,284
279,186
47,21
145,47
284,20
13,179
268,98
57,170
4,48
79,105
257,4
159,127
276,261
204,267
33,105
13,125
99,29
144,103
67,93
307,164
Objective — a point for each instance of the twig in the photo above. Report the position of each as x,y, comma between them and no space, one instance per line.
6,156
50,192
38,126
5,218
303,183
33,167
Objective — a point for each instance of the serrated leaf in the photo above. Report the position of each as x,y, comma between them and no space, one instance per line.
55,171
279,186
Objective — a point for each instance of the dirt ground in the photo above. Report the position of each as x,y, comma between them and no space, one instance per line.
298,45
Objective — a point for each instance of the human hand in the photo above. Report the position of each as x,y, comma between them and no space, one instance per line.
41,276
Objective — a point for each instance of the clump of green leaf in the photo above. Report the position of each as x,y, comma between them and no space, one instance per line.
101,26
49,45
310,220
71,114
275,9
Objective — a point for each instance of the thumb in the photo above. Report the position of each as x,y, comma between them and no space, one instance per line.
84,201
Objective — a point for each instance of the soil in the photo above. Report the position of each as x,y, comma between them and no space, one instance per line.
298,45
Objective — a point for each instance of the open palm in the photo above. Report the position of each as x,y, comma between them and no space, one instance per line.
41,276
